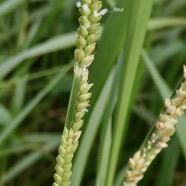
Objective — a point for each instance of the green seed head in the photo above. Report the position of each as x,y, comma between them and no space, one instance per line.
59,169
94,18
82,32
75,146
63,141
84,10
82,106
86,62
84,97
96,6
79,115
89,49
77,125
84,22
91,39
60,161
57,178
93,28
62,151
79,54
55,184
84,87
65,133
80,42
66,176
67,167
68,158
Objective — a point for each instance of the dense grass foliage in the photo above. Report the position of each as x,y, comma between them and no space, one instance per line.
136,66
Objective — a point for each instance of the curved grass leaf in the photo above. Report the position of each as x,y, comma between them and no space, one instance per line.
25,111
30,159
10,5
54,44
161,22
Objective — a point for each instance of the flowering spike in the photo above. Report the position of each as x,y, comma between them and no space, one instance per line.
80,42
89,49
96,6
78,4
91,39
79,99
93,28
86,62
84,10
164,129
84,22
79,54
103,11
82,32
95,17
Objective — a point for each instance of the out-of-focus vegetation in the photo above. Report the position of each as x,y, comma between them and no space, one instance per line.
37,39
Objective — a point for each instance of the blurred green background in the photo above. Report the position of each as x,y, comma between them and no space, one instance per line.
37,40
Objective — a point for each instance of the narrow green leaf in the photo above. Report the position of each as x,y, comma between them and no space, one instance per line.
28,77
162,86
5,116
30,159
109,47
10,5
54,44
106,134
159,23
167,50
25,111
140,13
104,154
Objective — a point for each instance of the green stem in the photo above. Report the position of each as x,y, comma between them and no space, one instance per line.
73,96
